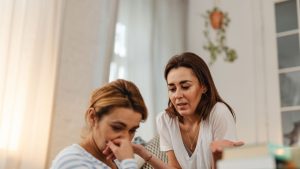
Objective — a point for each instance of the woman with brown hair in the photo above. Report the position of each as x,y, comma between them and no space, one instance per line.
198,123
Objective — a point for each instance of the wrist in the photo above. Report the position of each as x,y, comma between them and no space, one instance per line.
148,158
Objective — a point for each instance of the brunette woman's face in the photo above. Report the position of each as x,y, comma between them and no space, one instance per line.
119,123
185,90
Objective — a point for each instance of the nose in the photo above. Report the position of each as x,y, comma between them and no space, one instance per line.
126,135
178,94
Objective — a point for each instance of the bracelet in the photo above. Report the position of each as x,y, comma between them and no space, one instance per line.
148,159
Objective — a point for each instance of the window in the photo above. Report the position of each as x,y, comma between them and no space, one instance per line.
117,66
288,52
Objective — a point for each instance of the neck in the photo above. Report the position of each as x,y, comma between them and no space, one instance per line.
190,131
193,119
89,144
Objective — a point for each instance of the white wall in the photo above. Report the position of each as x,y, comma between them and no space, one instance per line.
242,83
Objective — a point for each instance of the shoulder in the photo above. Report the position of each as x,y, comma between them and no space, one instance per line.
219,111
222,123
221,106
164,121
73,157
72,150
163,116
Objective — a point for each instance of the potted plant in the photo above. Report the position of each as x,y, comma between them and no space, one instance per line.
217,21
216,18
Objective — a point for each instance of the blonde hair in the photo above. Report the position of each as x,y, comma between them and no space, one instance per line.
118,93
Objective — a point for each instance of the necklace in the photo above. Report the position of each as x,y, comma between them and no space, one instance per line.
191,139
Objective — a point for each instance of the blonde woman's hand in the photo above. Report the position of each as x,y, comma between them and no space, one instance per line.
108,153
120,149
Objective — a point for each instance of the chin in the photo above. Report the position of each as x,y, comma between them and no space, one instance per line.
185,113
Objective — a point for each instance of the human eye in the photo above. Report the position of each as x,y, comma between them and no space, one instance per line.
186,86
117,128
132,131
172,89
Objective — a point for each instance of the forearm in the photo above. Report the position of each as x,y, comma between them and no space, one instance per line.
155,162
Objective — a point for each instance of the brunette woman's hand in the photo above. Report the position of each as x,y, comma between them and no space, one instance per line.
120,149
218,146
138,149
144,153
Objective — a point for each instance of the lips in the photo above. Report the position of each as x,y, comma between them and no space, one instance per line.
181,106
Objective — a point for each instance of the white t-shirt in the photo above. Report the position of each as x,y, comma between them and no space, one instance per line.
221,125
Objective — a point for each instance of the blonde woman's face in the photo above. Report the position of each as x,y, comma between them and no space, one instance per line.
119,123
184,90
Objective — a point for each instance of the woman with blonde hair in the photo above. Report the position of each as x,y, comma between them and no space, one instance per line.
114,114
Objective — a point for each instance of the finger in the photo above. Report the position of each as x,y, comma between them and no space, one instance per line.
117,141
106,150
231,143
239,143
110,157
227,143
219,149
137,148
112,146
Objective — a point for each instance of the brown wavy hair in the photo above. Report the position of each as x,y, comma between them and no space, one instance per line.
201,70
117,94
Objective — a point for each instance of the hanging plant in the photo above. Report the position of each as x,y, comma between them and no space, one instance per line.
217,21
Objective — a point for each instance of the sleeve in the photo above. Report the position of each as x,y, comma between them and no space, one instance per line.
223,123
70,161
129,164
164,132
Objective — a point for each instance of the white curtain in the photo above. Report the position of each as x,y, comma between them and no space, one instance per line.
87,38
29,31
148,33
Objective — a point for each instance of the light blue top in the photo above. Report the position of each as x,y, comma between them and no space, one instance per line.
76,157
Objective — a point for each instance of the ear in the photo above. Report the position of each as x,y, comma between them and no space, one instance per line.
204,89
91,116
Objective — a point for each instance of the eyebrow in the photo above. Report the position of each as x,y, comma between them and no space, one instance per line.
181,82
119,123
123,124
